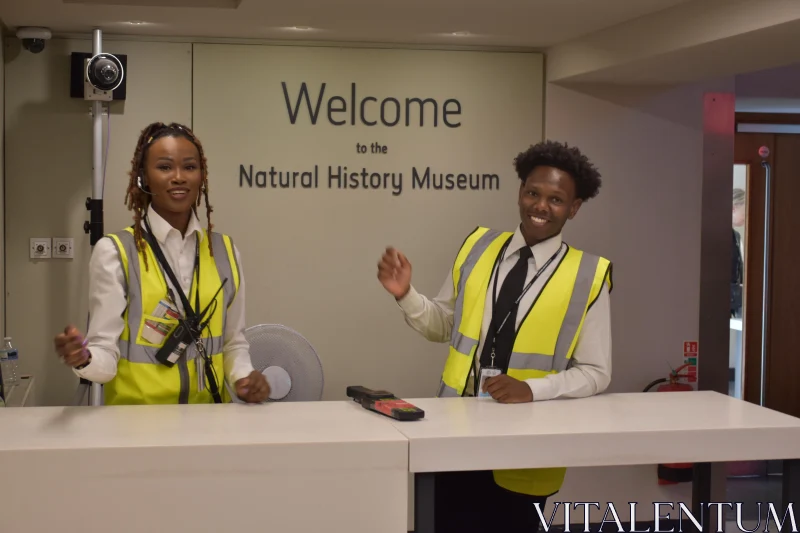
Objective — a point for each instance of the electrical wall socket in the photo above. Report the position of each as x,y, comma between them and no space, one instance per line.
62,247
40,248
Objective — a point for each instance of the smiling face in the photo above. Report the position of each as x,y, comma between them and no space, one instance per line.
547,199
173,174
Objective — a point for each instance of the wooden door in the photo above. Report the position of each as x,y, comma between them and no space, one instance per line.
782,362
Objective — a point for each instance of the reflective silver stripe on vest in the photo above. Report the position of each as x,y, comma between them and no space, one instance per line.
137,353
224,268
213,345
134,279
129,350
569,328
460,342
119,253
445,391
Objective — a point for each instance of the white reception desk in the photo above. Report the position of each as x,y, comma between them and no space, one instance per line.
334,467
606,430
290,468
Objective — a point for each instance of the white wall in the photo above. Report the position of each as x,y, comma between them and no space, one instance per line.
310,255
648,145
49,176
297,245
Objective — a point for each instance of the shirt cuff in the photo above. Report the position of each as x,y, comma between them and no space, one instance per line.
412,303
239,373
240,365
541,388
101,369
83,373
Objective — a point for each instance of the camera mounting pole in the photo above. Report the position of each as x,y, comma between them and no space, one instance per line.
95,204
94,227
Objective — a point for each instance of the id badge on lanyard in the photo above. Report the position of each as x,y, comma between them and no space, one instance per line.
486,373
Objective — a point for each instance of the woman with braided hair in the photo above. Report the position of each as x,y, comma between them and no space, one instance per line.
166,296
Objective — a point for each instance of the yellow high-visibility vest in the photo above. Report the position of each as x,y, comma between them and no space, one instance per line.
546,338
140,378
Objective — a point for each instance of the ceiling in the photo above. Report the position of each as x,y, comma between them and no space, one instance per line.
535,24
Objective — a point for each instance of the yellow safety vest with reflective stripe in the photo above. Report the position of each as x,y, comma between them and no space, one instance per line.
546,338
140,378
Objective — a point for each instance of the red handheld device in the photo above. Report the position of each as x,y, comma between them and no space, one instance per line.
385,403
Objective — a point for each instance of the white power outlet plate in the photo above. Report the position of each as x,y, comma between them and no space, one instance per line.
40,248
62,247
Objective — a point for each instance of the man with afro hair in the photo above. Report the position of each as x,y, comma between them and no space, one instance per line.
527,318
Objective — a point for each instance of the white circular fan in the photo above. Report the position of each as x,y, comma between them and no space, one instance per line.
288,361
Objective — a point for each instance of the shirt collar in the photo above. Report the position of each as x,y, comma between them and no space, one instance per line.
542,251
162,229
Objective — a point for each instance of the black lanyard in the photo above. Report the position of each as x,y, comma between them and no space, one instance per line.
496,272
194,316
191,314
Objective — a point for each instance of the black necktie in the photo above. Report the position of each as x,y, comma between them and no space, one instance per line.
509,292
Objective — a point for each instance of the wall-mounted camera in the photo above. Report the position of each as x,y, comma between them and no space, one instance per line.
33,39
104,73
98,77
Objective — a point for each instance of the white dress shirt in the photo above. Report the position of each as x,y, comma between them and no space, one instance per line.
590,368
107,301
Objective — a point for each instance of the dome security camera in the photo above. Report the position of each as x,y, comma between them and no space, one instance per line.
103,74
33,39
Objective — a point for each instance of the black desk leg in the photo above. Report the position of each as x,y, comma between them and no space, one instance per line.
701,496
791,484
424,502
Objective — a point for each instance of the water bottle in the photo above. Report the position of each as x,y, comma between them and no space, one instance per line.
9,360
5,370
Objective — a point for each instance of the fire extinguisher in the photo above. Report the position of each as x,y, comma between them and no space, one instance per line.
673,473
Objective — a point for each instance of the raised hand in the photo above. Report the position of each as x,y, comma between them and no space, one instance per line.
394,272
71,347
